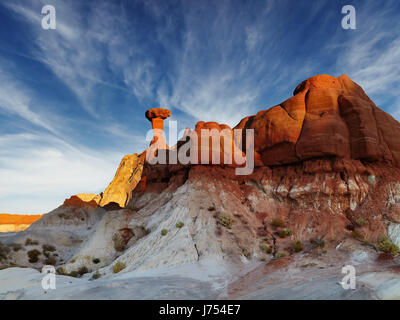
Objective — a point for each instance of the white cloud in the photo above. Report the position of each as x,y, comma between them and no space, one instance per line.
14,99
371,54
47,168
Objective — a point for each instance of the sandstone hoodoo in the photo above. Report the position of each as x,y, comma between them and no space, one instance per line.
157,116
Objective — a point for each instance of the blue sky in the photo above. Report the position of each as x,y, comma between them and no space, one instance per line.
72,100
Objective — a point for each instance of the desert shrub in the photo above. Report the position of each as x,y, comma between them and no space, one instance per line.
357,235
277,222
318,242
4,251
225,218
51,261
281,254
284,233
387,246
164,232
180,224
361,222
30,242
48,247
246,253
83,270
119,266
16,246
74,274
96,260
61,271
266,248
33,255
298,246
119,242
96,275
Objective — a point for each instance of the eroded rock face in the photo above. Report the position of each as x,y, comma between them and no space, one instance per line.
125,180
214,143
326,117
77,202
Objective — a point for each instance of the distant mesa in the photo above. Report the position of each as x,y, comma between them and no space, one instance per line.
16,222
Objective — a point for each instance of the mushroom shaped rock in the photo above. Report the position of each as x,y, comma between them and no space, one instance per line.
157,116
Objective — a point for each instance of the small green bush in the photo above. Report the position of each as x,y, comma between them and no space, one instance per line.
266,248
96,275
357,235
48,247
30,242
83,270
164,232
61,271
33,255
318,242
387,246
74,274
225,218
119,266
246,253
180,224
281,254
119,242
4,251
298,246
51,261
361,222
96,260
285,233
277,222
16,246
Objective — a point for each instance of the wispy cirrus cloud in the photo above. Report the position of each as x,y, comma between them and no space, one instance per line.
370,55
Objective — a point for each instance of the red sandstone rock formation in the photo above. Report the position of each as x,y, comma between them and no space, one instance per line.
326,117
328,157
158,144
223,152
77,202
157,116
